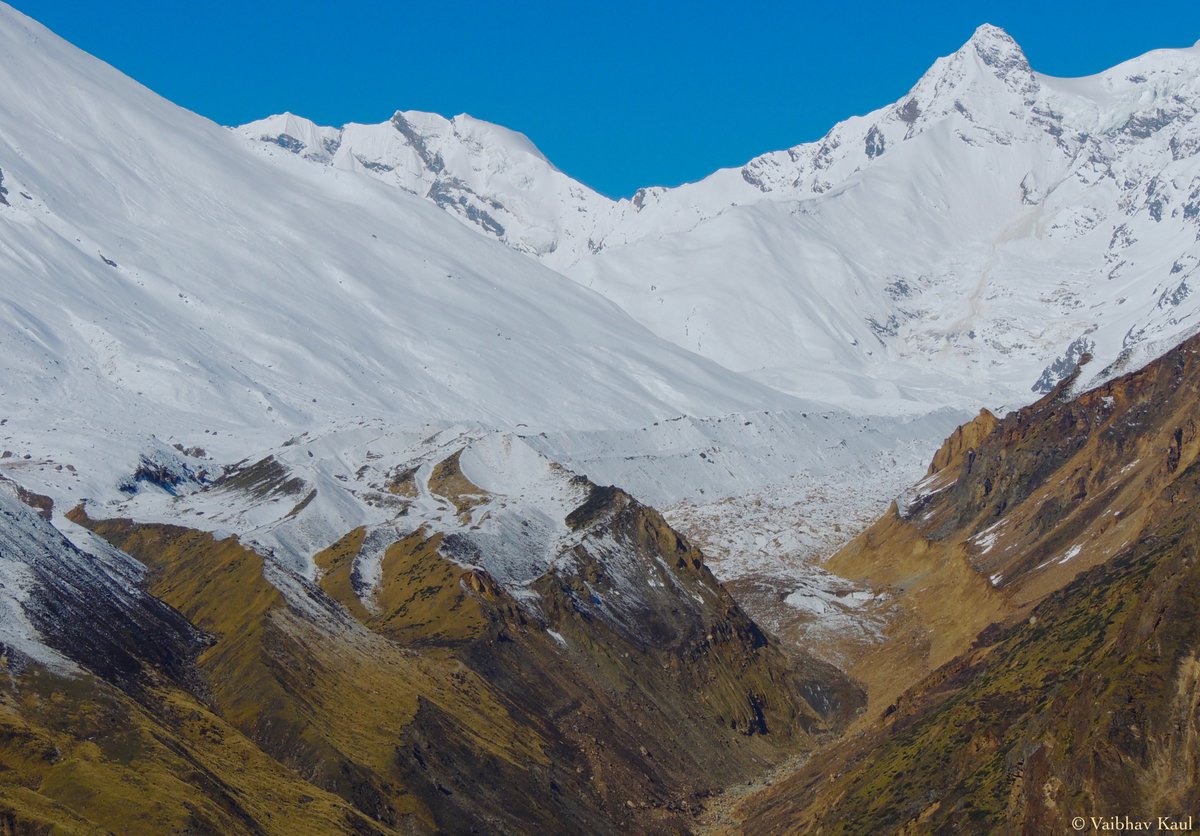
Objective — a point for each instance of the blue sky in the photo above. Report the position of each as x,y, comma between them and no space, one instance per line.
617,94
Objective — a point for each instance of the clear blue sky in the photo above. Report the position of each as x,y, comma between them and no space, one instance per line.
619,94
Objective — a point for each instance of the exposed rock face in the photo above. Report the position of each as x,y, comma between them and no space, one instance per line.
1077,517
617,694
960,446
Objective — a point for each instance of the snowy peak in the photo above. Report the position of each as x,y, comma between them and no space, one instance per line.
478,134
985,93
997,49
986,73
431,134
492,179
989,53
993,220
298,135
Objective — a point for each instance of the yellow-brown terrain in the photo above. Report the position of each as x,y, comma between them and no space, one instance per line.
217,694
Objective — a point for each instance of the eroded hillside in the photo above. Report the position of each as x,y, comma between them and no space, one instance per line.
176,679
1046,668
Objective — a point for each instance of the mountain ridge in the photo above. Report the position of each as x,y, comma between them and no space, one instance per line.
738,265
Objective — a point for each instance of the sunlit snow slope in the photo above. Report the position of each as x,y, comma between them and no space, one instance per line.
158,277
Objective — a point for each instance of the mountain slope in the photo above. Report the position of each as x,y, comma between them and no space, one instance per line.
1063,679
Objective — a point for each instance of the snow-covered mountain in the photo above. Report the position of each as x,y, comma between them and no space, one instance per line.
491,178
966,244
326,455
170,283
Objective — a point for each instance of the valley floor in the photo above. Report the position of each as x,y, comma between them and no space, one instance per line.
768,548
